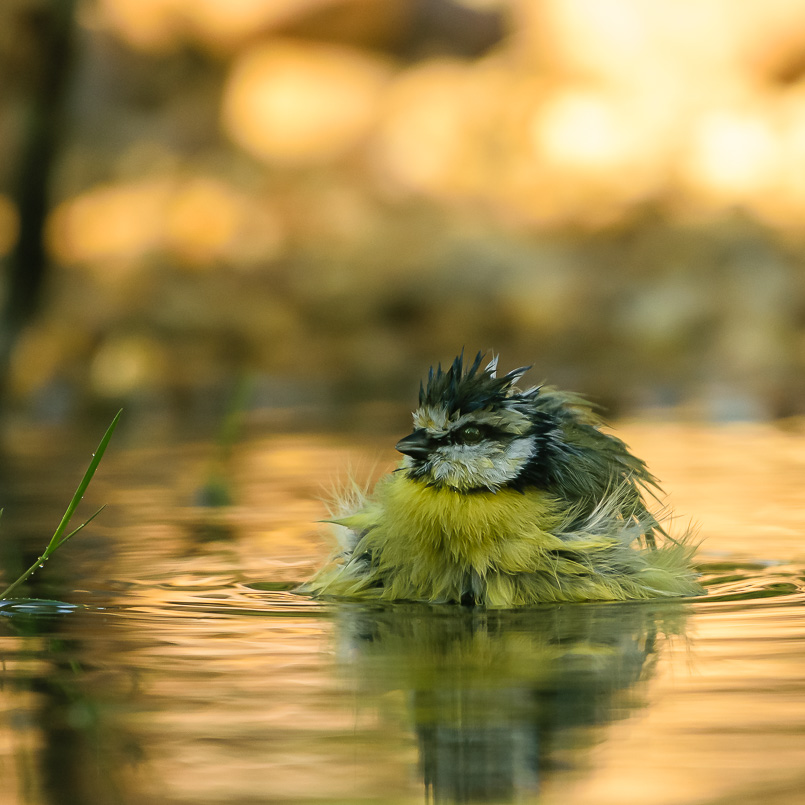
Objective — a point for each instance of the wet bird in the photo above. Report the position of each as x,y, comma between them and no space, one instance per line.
506,498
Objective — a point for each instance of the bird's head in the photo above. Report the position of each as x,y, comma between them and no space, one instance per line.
472,430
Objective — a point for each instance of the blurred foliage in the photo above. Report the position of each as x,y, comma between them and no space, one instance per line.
333,194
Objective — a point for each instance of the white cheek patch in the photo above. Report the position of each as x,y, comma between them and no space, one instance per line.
487,465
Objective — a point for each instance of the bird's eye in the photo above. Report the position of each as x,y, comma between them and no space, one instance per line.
470,435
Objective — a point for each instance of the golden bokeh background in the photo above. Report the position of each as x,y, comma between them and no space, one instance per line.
330,195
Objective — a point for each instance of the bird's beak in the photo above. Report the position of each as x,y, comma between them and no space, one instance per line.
417,445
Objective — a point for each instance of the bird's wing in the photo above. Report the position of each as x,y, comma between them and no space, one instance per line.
590,464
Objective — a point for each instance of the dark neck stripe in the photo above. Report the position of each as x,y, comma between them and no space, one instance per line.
537,472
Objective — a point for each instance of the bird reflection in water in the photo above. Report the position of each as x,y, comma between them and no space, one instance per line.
501,700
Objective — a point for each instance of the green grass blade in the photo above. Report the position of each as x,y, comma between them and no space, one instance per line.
45,556
76,530
56,539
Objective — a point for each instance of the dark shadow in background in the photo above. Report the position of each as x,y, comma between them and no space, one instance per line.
48,28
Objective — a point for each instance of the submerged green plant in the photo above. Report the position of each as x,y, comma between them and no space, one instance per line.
59,538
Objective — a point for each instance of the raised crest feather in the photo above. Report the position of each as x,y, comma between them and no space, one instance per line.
463,390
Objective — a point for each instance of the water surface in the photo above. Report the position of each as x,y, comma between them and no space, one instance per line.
167,660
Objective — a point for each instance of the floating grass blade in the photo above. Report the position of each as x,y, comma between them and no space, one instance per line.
58,539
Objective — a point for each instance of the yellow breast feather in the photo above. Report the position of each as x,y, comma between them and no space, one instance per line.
505,549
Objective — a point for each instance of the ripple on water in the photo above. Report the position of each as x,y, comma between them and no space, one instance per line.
753,582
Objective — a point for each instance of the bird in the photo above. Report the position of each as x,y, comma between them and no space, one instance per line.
506,498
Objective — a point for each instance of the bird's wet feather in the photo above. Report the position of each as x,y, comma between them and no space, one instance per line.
485,508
